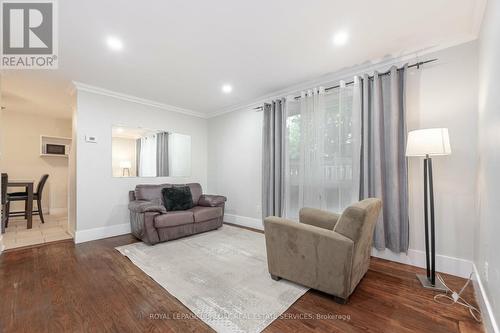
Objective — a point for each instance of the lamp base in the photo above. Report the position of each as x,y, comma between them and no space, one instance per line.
427,284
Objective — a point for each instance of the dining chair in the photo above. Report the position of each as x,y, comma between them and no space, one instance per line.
4,216
23,196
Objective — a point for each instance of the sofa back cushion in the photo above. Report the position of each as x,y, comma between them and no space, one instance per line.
149,192
196,192
152,192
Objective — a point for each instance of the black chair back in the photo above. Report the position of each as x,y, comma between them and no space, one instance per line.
41,185
5,180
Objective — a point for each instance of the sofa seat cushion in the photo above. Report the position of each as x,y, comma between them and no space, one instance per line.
171,219
205,213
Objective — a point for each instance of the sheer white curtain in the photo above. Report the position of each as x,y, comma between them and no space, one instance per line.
147,165
322,150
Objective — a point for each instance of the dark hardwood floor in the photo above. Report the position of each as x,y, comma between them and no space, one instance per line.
92,288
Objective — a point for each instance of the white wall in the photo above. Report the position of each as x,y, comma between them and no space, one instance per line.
72,171
101,199
445,95
21,155
439,95
487,245
234,161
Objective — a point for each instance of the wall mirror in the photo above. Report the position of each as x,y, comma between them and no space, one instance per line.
140,152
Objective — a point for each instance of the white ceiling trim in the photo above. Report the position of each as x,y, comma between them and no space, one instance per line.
134,99
343,74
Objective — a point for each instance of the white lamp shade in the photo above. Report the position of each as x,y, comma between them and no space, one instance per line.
430,141
125,164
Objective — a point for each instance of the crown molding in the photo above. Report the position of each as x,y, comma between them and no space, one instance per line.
134,99
346,73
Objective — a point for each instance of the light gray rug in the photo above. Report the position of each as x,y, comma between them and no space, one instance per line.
221,276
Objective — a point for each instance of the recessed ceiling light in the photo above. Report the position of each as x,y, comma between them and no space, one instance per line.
114,43
227,88
340,38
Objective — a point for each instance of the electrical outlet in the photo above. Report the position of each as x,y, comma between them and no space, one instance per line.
486,271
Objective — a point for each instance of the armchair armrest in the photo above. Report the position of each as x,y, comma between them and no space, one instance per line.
143,206
208,200
309,255
318,218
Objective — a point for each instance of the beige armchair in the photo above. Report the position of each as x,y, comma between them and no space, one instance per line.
325,251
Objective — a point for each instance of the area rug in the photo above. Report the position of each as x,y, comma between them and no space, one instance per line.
221,276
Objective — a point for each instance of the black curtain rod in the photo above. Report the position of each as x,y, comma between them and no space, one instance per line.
417,64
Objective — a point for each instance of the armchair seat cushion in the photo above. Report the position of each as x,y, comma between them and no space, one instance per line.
175,218
206,213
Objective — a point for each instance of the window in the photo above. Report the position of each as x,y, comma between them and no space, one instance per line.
319,152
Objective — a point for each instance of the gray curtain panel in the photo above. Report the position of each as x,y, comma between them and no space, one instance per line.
138,157
162,154
273,158
383,167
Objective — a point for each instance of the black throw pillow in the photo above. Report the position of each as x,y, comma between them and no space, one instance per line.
177,198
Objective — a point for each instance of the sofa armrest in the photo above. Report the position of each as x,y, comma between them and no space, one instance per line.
208,200
143,206
318,218
142,217
309,255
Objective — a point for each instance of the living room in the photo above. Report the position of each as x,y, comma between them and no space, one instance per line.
206,161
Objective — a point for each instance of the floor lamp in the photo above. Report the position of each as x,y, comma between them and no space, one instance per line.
125,166
426,143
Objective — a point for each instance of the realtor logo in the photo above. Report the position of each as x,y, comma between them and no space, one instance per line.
29,34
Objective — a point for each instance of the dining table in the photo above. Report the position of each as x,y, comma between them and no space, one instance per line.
28,186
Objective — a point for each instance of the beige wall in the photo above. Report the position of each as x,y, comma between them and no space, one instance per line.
20,154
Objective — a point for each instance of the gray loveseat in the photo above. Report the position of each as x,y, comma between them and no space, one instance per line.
152,223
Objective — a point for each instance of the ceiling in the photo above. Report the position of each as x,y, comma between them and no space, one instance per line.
180,52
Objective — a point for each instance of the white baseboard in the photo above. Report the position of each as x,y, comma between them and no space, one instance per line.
450,265
71,232
102,232
489,321
244,221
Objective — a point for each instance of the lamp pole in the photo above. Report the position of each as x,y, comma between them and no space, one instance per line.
429,280
426,143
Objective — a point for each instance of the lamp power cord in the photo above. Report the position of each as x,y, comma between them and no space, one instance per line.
452,297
